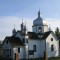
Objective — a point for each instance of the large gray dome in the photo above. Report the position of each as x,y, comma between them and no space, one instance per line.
38,21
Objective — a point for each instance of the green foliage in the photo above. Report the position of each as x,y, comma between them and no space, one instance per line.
57,32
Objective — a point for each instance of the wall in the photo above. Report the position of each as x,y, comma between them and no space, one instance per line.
7,46
35,29
40,47
22,51
55,42
45,28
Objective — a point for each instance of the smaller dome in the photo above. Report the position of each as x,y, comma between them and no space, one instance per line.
14,30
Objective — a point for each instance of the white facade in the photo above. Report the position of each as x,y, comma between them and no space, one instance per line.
22,53
40,47
55,44
36,44
14,49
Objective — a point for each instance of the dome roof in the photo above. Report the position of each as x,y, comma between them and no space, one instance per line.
39,20
14,30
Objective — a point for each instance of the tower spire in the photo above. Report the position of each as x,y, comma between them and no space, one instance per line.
39,13
21,26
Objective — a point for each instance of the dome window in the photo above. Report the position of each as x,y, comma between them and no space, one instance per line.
39,29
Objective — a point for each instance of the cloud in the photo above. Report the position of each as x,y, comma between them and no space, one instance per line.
7,24
53,23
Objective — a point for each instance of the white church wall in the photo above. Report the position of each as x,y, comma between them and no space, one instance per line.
45,28
36,29
55,43
40,47
22,53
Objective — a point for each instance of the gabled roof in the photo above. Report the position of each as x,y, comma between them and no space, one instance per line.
32,35
46,34
17,32
15,41
20,32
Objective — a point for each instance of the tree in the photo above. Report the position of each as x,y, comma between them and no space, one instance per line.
57,32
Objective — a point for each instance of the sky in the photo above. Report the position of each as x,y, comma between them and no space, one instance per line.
13,11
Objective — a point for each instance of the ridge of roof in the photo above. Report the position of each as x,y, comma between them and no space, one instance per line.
46,34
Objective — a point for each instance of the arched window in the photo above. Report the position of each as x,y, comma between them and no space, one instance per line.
10,52
23,40
34,48
39,29
7,42
52,47
51,39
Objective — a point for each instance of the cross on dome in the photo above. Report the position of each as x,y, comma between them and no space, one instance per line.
39,14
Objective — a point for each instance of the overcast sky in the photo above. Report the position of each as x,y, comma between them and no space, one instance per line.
12,12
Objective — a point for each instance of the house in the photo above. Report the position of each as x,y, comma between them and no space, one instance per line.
31,44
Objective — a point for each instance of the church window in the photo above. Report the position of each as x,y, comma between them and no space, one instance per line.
34,48
23,40
51,39
10,52
52,47
7,42
18,50
39,29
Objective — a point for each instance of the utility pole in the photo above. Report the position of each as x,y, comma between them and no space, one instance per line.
45,53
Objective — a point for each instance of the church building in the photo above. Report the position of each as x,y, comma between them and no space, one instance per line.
31,44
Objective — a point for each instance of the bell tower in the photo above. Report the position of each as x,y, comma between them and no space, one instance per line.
38,24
